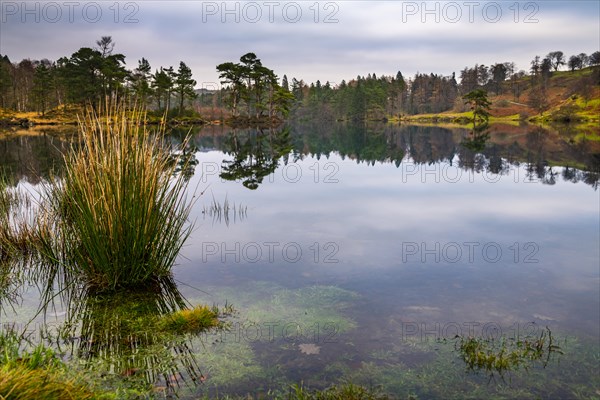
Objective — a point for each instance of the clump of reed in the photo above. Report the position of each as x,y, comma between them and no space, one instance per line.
119,216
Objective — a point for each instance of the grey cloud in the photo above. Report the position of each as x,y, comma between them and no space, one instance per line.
370,37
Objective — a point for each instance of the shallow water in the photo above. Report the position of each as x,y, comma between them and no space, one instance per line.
367,247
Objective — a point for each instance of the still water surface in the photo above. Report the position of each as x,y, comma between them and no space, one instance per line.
361,252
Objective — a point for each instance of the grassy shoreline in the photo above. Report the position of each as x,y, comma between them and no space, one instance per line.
455,119
62,116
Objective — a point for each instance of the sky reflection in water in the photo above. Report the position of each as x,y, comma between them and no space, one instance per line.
409,236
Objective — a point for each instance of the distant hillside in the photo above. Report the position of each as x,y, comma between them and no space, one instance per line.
565,96
576,93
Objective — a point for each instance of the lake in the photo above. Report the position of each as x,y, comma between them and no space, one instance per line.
365,252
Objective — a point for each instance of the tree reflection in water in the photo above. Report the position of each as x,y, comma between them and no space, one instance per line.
256,154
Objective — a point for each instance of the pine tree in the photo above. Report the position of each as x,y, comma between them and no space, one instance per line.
184,85
284,83
162,83
140,81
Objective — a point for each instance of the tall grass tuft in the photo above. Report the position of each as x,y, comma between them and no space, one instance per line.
120,215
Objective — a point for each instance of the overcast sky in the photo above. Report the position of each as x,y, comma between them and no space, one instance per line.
308,40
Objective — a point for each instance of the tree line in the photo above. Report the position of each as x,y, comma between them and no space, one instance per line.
251,90
89,76
373,97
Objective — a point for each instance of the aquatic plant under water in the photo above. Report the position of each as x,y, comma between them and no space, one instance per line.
481,354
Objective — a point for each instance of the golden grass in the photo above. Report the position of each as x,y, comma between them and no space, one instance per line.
22,383
194,320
